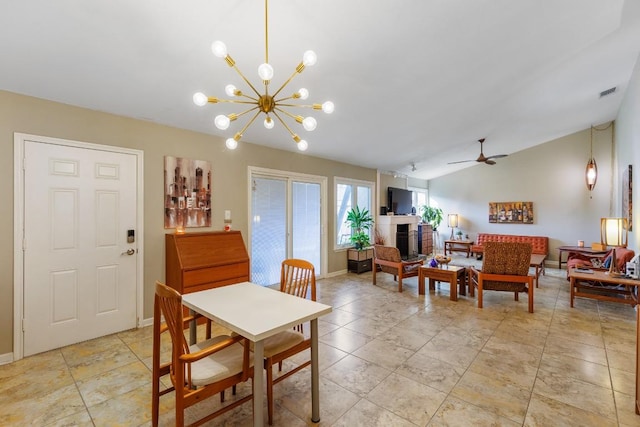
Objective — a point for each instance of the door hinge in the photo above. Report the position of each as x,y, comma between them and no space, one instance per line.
24,325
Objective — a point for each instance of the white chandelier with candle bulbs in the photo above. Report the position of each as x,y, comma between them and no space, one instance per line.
269,105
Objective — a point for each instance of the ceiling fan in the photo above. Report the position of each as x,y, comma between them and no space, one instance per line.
482,158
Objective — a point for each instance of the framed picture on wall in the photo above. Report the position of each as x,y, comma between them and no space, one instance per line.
627,191
511,212
187,193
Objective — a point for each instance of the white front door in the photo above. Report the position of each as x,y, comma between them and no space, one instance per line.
80,277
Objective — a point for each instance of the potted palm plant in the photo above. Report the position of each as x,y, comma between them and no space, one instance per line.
360,221
432,216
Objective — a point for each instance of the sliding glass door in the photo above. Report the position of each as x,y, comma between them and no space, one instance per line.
286,222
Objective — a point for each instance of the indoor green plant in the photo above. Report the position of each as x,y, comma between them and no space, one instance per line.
360,220
432,216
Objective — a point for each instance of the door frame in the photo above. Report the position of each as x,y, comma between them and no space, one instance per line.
289,176
19,140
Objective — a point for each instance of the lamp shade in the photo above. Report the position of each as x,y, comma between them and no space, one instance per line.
591,174
614,232
452,220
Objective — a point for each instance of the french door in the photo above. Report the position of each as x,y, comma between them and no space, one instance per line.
287,221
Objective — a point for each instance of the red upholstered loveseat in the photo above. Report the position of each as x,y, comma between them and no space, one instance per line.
539,244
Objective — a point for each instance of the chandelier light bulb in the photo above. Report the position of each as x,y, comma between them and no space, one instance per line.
269,123
309,58
200,99
302,145
230,90
219,49
304,93
309,124
231,144
265,71
222,122
328,107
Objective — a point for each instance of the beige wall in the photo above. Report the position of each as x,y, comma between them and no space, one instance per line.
628,147
229,182
550,175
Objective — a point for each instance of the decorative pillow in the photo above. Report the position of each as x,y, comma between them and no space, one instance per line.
597,262
607,262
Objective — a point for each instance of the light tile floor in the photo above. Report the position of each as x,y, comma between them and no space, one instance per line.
387,359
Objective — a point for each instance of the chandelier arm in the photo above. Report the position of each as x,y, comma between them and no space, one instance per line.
293,116
284,99
275,113
241,132
247,111
233,101
296,105
246,80
296,72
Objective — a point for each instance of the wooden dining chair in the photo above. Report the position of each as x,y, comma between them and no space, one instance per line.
297,277
197,371
505,267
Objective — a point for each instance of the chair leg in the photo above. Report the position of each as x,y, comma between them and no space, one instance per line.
516,296
531,297
399,283
269,368
480,293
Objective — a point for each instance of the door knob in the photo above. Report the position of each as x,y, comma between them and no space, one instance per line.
129,252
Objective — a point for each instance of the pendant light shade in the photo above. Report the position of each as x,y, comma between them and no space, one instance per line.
591,171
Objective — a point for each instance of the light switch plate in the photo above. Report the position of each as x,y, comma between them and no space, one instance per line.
227,215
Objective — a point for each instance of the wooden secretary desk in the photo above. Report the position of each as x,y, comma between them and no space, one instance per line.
197,261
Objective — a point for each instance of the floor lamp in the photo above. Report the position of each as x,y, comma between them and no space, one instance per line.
614,232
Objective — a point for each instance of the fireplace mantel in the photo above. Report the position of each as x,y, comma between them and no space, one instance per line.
388,225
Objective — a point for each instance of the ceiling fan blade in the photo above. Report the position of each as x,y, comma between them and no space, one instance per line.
497,156
490,162
461,161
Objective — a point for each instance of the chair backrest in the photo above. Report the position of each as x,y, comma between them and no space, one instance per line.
387,253
298,277
169,302
507,258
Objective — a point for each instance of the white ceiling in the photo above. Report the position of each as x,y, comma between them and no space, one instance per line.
412,80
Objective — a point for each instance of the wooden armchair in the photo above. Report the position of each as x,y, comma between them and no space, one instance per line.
389,260
505,267
197,371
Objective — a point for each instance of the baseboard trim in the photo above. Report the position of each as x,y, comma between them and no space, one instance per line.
146,322
337,273
6,358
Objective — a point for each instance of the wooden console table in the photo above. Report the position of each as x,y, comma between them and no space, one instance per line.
577,249
458,246
593,285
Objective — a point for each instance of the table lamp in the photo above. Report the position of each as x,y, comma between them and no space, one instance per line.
614,232
452,220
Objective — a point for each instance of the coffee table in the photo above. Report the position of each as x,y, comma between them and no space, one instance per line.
447,273
590,285
458,246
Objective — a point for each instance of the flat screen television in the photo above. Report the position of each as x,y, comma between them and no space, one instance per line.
400,201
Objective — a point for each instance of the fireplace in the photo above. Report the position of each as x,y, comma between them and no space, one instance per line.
400,231
407,241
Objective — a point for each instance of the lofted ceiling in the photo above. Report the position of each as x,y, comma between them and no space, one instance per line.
413,81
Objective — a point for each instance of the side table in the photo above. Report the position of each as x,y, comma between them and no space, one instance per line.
458,246
447,273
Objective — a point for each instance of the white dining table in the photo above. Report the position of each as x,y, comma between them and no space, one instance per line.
256,313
